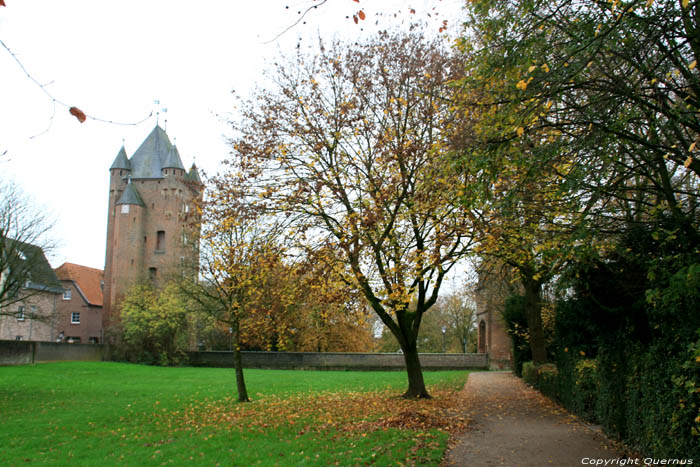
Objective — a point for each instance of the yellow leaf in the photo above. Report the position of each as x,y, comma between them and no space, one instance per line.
545,68
520,130
693,65
692,147
548,105
687,162
522,85
685,3
531,69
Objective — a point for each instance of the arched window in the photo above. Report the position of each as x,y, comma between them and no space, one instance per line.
482,336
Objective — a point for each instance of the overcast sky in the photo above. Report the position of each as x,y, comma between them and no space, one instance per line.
114,59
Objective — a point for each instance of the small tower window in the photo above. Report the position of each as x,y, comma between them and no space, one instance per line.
160,240
152,273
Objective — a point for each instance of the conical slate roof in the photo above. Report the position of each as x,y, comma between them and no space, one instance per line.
131,196
172,160
148,160
121,161
193,175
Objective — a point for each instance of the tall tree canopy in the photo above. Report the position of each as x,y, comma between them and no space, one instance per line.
350,145
588,125
614,85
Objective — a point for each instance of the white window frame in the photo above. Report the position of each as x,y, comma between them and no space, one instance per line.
20,313
73,315
66,294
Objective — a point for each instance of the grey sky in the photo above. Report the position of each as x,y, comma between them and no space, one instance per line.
113,59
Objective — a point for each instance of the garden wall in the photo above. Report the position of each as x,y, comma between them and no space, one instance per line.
27,352
338,361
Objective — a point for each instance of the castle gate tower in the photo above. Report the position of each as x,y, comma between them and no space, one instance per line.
152,225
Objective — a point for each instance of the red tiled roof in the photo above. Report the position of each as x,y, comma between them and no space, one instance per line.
88,280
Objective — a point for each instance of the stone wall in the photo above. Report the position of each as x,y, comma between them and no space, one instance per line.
55,352
338,361
26,352
16,352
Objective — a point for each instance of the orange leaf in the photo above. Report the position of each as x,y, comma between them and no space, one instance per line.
413,12
361,14
358,1
354,18
76,112
2,3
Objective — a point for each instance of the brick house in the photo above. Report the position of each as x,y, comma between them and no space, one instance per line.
79,310
31,313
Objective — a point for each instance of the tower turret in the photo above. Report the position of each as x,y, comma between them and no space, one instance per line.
173,163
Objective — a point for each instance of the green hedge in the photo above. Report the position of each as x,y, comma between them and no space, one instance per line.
542,377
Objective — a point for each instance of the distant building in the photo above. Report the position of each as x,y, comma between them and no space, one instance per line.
33,315
152,223
493,288
79,310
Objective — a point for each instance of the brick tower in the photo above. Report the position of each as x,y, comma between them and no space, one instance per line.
152,226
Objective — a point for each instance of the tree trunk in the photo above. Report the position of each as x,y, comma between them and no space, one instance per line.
238,364
533,313
416,385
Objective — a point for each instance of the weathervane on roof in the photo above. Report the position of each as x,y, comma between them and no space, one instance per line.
158,111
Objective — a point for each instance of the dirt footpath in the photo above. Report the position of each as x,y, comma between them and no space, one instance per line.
514,425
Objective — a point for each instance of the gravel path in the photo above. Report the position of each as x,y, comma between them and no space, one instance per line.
514,425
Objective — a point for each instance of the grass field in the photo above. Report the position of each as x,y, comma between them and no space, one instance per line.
101,413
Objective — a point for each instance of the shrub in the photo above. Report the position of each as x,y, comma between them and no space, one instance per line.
548,380
545,378
586,387
529,372
154,326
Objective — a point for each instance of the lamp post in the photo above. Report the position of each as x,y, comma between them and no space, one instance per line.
444,331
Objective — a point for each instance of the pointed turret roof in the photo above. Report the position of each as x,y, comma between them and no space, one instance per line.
172,160
193,175
121,161
148,160
131,196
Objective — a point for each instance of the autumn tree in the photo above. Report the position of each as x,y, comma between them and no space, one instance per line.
24,241
614,83
239,255
351,145
319,312
449,327
459,308
334,314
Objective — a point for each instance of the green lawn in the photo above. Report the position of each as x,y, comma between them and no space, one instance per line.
121,414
